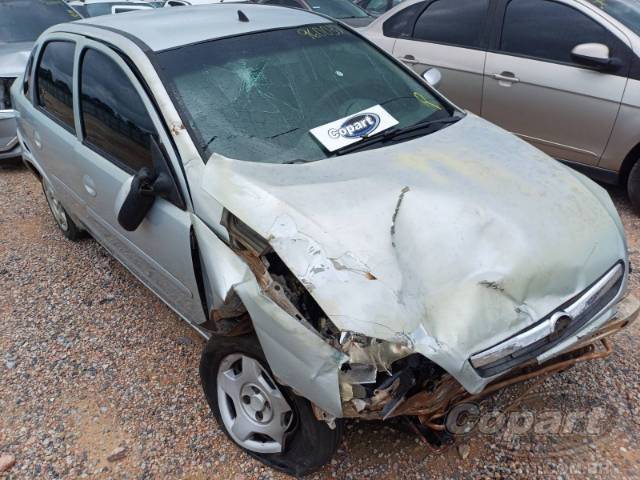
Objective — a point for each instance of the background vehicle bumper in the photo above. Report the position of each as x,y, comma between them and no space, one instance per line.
9,144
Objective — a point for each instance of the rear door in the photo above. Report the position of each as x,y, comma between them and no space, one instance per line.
535,89
51,132
449,35
116,122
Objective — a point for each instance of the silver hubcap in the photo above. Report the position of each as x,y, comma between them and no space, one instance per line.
253,409
58,212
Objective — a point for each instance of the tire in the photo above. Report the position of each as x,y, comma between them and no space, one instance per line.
308,443
60,215
633,186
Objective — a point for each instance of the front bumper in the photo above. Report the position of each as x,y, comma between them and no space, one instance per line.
430,407
9,144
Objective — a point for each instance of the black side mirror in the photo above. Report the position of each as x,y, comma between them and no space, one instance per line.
139,200
145,187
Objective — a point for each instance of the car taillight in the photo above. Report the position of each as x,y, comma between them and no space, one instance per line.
5,97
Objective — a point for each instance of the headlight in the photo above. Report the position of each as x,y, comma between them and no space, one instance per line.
5,97
363,350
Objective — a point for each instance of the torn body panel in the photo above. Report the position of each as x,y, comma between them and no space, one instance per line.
297,356
221,266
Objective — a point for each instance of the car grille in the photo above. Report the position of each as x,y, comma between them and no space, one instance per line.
5,97
556,327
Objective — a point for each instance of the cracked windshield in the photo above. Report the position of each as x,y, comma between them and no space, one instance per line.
626,12
256,97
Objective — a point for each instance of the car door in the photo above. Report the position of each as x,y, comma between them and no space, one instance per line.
117,123
536,89
449,35
50,132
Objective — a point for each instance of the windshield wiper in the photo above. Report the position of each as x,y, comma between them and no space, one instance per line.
398,134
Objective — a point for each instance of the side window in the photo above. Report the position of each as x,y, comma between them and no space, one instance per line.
453,22
114,119
27,75
54,79
549,30
401,24
377,6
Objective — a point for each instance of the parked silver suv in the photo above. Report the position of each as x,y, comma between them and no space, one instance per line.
350,243
562,74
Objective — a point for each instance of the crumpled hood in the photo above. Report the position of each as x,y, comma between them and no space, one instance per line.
14,58
456,240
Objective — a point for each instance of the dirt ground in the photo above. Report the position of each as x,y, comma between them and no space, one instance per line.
91,361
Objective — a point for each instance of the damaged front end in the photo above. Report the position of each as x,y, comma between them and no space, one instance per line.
348,374
352,374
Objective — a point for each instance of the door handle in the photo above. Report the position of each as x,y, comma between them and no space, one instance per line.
89,186
410,60
36,140
506,77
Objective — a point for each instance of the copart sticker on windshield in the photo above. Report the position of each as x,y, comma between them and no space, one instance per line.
352,129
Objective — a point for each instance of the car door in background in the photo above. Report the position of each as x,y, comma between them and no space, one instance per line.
118,124
535,88
449,35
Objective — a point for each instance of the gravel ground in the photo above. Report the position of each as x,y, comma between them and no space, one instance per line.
91,361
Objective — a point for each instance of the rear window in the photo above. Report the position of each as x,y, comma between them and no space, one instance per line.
453,22
401,24
25,20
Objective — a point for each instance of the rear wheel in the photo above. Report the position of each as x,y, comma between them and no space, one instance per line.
63,220
264,418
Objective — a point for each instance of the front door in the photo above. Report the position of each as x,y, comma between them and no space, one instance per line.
535,89
117,122
449,35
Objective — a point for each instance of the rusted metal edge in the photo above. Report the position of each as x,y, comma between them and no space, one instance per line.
430,407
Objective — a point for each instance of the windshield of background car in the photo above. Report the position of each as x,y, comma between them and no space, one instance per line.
626,12
255,97
25,20
105,8
337,8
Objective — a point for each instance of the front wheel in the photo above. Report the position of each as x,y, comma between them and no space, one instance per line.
265,419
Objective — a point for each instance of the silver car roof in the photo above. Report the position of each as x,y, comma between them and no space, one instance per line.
165,28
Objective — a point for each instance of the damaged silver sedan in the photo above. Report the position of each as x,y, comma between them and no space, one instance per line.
349,242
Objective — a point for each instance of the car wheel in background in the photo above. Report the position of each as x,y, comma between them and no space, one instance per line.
264,418
62,219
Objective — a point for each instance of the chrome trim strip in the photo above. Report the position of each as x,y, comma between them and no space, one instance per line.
9,146
6,114
546,328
